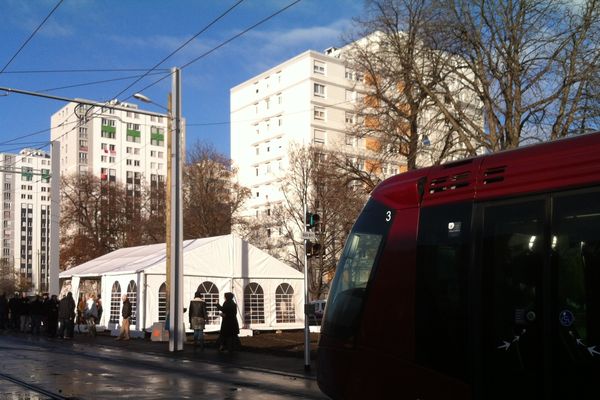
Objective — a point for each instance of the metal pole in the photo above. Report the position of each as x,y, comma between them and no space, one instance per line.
306,305
53,270
176,338
168,212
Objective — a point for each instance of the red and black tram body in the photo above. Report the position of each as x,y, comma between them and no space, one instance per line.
479,279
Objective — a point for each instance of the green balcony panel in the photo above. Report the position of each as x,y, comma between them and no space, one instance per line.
131,132
158,136
111,129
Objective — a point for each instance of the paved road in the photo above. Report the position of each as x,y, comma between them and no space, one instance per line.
66,369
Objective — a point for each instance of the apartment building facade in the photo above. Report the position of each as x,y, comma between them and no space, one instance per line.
307,100
116,143
26,215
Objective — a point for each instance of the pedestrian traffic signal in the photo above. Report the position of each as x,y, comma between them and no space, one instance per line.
312,221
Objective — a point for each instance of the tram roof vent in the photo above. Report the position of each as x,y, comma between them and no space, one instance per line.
450,182
494,175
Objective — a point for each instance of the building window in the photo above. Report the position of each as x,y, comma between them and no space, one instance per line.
350,140
210,294
350,95
319,137
132,295
285,311
157,136
319,90
115,303
319,113
162,302
349,118
319,67
254,304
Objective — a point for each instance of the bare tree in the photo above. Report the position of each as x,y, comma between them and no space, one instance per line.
400,116
9,278
99,216
531,64
211,198
311,180
463,76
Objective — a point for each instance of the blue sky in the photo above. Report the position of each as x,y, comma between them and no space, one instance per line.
137,34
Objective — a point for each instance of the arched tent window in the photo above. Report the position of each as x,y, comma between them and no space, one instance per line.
132,295
210,294
115,303
284,304
254,304
162,302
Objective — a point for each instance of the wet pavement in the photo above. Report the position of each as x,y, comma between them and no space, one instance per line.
102,368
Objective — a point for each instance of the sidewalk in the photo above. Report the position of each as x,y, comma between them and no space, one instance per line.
255,353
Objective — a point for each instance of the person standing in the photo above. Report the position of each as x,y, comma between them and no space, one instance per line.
198,317
24,313
66,316
3,311
52,315
14,308
36,311
90,313
126,313
229,324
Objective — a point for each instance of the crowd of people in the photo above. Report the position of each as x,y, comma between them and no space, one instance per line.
45,314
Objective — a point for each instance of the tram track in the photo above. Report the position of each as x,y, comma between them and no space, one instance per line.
33,388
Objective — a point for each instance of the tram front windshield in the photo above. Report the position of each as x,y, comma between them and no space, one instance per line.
354,270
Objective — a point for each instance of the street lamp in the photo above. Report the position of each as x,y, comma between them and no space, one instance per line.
175,230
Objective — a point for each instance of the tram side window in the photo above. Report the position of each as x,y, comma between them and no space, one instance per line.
441,310
576,255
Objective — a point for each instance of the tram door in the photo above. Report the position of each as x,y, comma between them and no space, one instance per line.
540,264
512,263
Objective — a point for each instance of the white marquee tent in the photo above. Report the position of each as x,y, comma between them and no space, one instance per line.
268,292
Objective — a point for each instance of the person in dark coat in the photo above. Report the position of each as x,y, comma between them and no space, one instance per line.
198,317
3,312
13,307
66,316
126,313
51,312
230,329
25,318
36,311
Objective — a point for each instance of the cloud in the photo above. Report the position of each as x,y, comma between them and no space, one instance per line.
313,37
26,16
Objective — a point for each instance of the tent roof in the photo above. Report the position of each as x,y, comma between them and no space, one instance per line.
218,256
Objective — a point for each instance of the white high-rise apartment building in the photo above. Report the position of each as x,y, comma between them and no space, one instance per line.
25,232
309,99
117,143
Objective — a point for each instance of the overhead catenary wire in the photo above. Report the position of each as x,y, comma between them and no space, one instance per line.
97,82
31,36
82,70
224,43
214,21
191,61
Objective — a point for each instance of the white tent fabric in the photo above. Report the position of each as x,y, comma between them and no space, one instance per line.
222,264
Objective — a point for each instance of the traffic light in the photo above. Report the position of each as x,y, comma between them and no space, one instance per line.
312,249
312,221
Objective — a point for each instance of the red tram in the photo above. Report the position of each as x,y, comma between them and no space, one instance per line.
479,279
